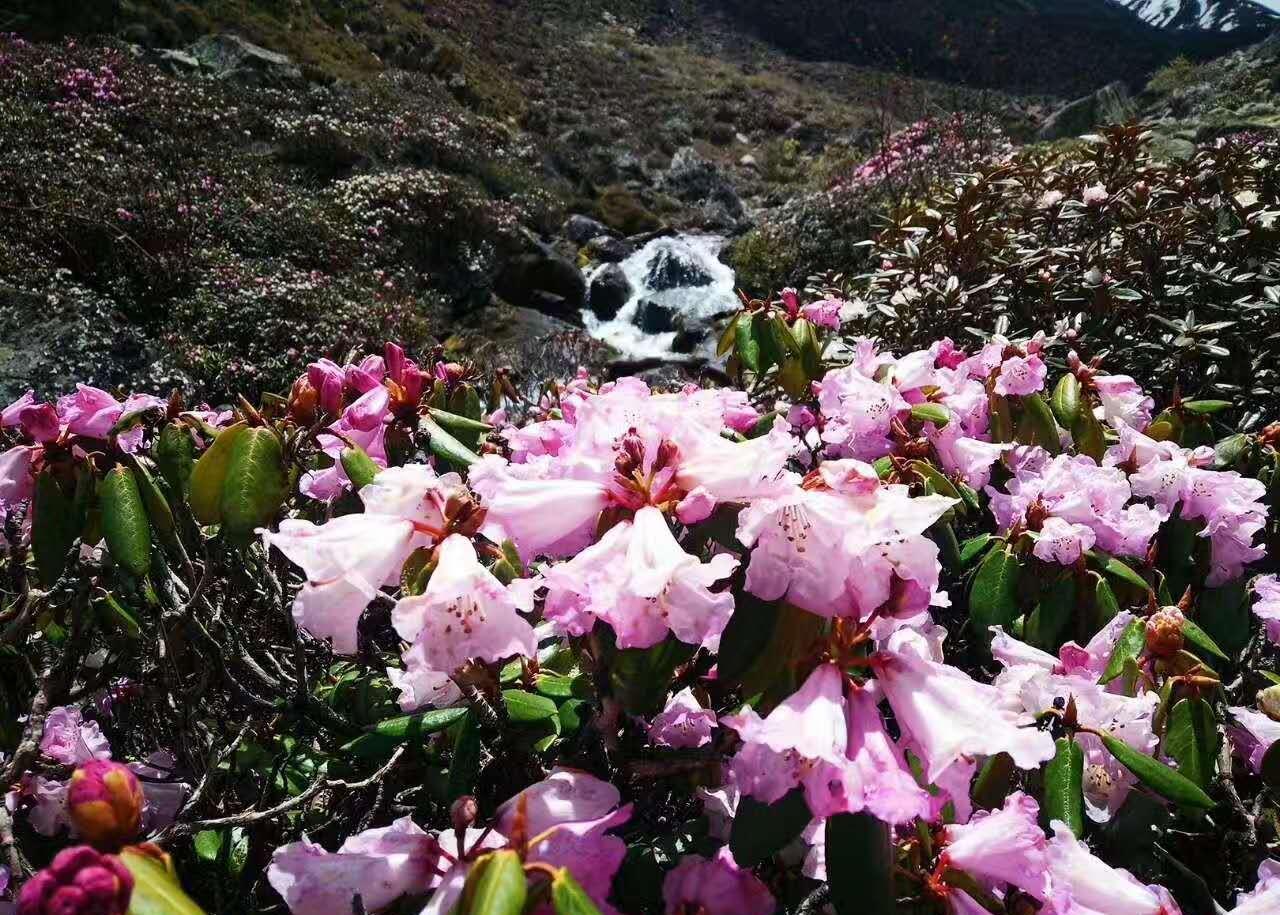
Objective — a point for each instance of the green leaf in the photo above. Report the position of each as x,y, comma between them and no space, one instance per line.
1064,786
568,896
639,676
1164,781
1056,609
994,781
1224,614
1039,426
1199,638
1104,599
860,865
760,831
466,757
1001,419
156,890
209,474
53,527
1118,570
748,633
385,736
496,885
1231,450
526,708
727,338
256,482
941,485
746,342
572,714
121,616
1128,648
1205,407
931,413
124,521
973,547
1066,401
1192,739
461,425
445,446
993,600
359,467
1088,434
174,454
208,842
557,686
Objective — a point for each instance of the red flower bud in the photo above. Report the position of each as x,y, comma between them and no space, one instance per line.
1164,631
80,881
105,801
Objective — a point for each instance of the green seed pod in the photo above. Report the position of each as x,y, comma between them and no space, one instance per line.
175,452
124,521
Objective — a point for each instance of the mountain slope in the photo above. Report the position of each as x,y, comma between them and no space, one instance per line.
1062,47
1208,15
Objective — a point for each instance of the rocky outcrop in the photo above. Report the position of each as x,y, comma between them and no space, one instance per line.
229,57
609,291
669,270
1111,104
542,279
694,179
655,318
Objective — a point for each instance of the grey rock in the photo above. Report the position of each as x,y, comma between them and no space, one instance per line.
173,61
609,250
609,291
544,280
668,270
229,57
654,317
1109,105
581,229
693,179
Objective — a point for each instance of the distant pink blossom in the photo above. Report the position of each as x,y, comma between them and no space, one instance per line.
715,886
683,724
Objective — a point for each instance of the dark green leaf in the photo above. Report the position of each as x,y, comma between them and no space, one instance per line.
156,890
1161,779
568,897
1104,599
993,600
1205,407
459,425
1064,786
746,636
53,527
496,885
1270,768
1057,607
760,831
1118,570
1192,739
1038,426
1128,648
994,781
466,757
385,736
443,445
1066,401
256,484
124,521
973,547
525,708
860,865
1224,614
1199,638
746,341
359,467
931,413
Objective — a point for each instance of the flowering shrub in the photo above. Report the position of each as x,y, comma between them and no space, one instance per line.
935,631
1172,263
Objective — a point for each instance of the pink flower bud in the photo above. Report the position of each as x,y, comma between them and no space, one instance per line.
104,801
80,881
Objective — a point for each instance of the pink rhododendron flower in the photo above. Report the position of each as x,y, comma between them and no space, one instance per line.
842,516
16,479
1005,846
970,459
39,421
465,613
1123,401
949,715
859,411
684,723
1020,376
363,423
715,886
380,865
327,377
640,581
1063,542
1253,736
828,313
93,413
1266,588
1264,898
1094,195
1083,884
70,740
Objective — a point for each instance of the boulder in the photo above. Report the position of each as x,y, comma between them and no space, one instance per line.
670,270
229,57
171,60
654,317
609,291
609,250
1111,104
580,229
688,337
694,179
544,280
